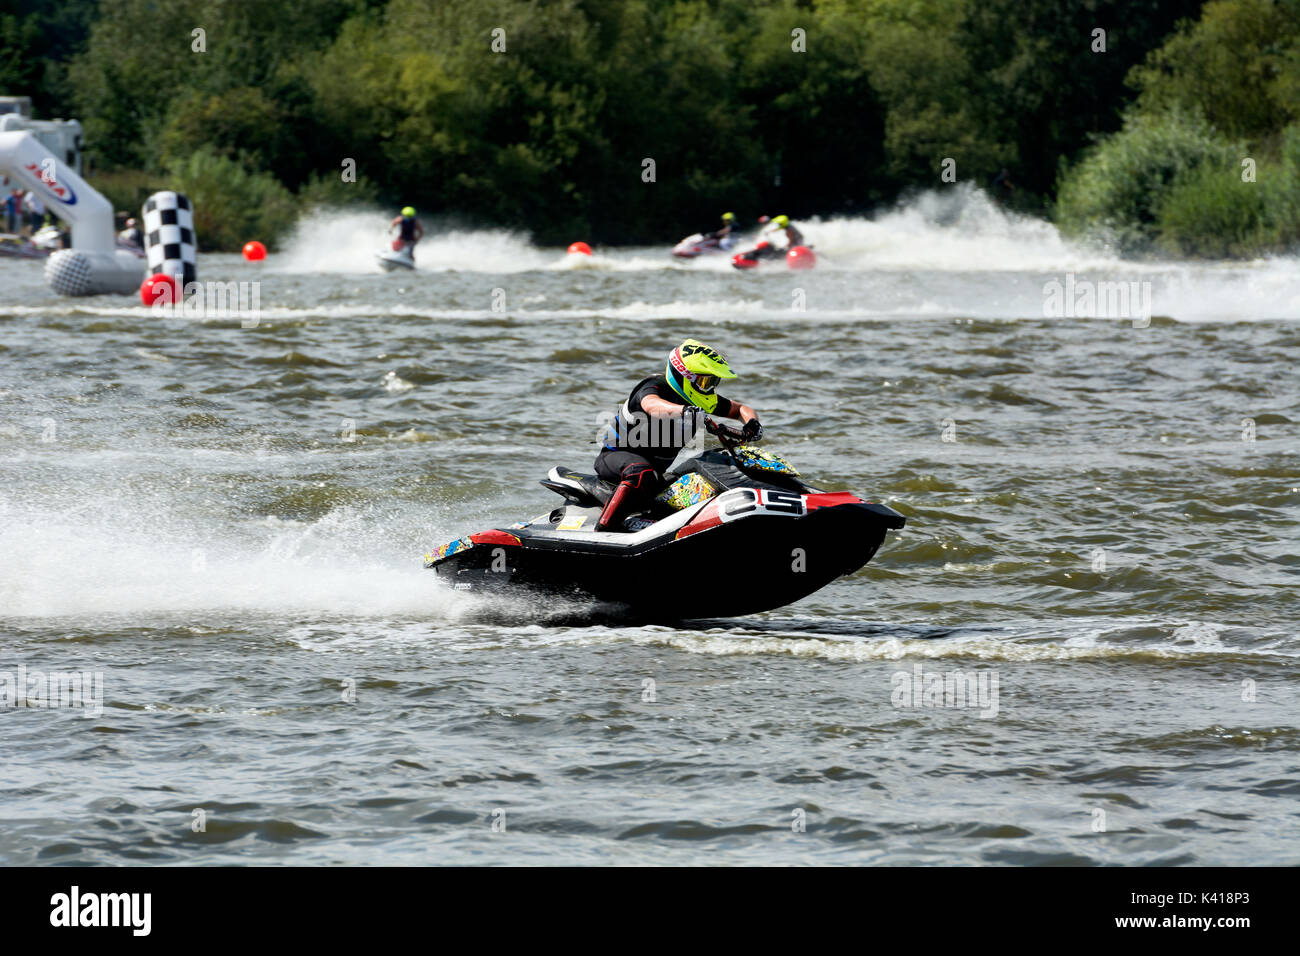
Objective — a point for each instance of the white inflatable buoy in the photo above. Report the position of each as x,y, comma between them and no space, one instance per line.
169,244
83,272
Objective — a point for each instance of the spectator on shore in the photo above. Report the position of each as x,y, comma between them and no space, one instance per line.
35,211
13,206
1003,188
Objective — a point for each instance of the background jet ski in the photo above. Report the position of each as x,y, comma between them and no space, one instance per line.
796,257
19,247
401,256
45,241
699,244
737,505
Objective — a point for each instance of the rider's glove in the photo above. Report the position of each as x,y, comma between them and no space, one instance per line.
692,418
752,431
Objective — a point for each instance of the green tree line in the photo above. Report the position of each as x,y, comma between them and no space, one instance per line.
540,115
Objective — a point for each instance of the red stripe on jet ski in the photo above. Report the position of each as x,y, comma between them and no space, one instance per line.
706,519
494,537
830,499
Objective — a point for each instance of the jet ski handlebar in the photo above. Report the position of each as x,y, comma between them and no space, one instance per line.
727,435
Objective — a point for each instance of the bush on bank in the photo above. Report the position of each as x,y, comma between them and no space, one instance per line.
232,204
1120,187
1219,96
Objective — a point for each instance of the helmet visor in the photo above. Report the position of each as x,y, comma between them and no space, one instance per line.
705,383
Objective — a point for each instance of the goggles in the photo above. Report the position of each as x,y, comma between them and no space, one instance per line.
705,383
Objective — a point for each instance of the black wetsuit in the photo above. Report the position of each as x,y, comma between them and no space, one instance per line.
639,448
407,227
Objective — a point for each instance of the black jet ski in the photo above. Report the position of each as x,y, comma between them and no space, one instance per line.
737,508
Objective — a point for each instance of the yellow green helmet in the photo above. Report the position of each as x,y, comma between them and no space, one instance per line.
781,222
728,217
694,370
408,212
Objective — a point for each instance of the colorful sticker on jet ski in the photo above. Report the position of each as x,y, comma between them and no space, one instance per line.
686,491
759,460
571,523
444,551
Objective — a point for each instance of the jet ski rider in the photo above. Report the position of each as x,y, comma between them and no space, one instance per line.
659,419
411,230
777,239
132,234
723,235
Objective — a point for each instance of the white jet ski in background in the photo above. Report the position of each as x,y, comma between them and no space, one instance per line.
698,244
400,256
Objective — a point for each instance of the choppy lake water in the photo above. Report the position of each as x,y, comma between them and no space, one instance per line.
226,524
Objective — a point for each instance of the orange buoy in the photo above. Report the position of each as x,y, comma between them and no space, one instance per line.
579,248
254,251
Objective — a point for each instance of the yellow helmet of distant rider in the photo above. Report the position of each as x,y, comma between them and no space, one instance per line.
694,370
781,222
728,217
408,212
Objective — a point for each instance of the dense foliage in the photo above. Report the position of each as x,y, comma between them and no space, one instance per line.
797,106
1208,161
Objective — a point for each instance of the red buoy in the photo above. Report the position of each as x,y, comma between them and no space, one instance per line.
800,257
161,290
579,248
254,251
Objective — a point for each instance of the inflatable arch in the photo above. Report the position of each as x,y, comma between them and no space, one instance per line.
93,265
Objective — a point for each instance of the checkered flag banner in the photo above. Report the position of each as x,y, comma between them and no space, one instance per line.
169,245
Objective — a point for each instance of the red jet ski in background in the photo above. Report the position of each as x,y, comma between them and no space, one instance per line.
786,243
796,257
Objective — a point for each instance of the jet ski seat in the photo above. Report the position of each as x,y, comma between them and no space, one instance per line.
588,490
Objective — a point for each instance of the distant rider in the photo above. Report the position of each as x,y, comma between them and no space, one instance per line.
411,231
724,235
777,239
659,419
782,234
132,234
